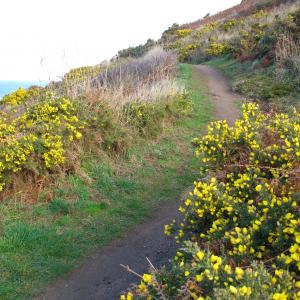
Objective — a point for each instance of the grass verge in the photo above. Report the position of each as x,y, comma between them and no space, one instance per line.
256,83
231,68
46,240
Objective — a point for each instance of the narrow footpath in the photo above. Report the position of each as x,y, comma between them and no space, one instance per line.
101,277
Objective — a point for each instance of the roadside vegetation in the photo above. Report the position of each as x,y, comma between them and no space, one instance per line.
86,158
46,131
239,236
256,43
110,157
260,50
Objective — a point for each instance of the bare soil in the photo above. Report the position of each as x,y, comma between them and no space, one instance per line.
224,100
101,277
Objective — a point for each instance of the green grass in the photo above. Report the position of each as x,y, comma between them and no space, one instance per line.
43,241
232,69
261,84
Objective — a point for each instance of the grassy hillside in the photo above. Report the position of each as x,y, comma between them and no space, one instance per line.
86,158
259,37
240,232
265,42
46,132
114,187
239,236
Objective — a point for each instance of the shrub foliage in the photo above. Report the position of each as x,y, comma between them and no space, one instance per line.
240,232
40,128
35,130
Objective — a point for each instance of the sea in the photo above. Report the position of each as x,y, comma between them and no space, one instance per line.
7,87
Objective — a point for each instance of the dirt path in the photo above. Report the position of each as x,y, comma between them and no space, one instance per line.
225,101
101,277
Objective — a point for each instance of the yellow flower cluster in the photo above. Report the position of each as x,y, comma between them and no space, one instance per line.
245,210
181,33
20,96
216,49
229,24
198,33
35,127
16,97
80,74
185,51
198,274
252,35
253,207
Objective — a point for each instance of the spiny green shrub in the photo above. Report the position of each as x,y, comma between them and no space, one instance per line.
215,48
186,51
197,274
147,118
229,24
104,130
181,33
137,51
263,86
240,231
80,74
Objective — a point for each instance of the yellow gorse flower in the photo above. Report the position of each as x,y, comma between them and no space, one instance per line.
39,129
245,206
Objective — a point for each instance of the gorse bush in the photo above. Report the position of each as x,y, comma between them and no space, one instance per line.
137,51
115,130
183,32
249,37
148,118
198,275
35,130
40,128
186,51
240,231
216,49
253,206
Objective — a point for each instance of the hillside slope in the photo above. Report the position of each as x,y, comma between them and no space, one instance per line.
259,37
240,233
85,159
102,277
246,7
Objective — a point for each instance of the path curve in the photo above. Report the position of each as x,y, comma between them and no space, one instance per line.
101,277
224,100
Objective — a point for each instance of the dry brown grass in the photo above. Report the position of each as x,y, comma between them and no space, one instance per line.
27,187
244,8
273,14
146,79
287,49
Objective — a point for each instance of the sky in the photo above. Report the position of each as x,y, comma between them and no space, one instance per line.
42,39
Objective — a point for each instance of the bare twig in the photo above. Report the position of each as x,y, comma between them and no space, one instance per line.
150,263
128,269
